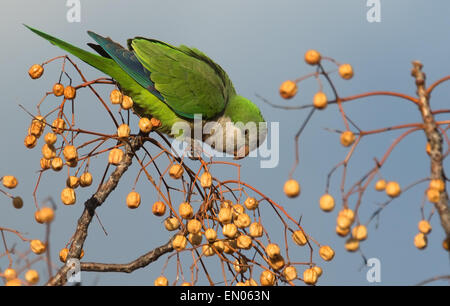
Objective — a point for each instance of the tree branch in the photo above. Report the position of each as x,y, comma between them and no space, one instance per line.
434,138
91,204
138,263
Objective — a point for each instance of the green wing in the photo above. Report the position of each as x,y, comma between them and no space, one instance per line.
188,80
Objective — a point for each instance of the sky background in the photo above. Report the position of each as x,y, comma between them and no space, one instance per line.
260,44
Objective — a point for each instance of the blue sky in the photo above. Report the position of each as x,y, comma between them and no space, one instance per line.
260,44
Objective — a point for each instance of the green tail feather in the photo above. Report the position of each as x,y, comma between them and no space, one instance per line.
106,65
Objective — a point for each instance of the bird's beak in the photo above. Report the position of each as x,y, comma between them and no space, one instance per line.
242,152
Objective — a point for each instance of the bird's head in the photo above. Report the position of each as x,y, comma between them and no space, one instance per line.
241,130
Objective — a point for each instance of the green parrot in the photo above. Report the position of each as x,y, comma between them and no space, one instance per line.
177,85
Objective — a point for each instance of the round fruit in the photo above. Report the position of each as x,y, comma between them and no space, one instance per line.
299,238
68,196
123,131
179,242
145,125
312,57
352,245
326,252
86,179
256,230
176,171
32,277
159,208
17,202
347,138
115,156
290,273
326,202
320,100
194,226
211,235
267,278
127,102
206,180
161,281
310,276
10,181
380,185
115,97
186,211
171,224
393,189
251,203
420,241
133,200
424,227
70,93
58,89
359,232
291,188
346,71
288,89
36,71
37,246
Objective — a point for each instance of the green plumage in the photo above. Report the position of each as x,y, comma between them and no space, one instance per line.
169,83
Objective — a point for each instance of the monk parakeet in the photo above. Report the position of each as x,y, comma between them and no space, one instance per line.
176,85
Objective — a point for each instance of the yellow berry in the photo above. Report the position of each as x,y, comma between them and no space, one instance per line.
359,232
291,188
86,179
290,273
10,181
45,215
63,254
70,153
342,231
30,141
171,224
161,281
326,202
225,215
256,230
424,227
123,130
299,238
251,203
14,282
159,208
58,125
433,195
115,156
37,246
312,57
57,163
10,274
179,242
347,138
36,71
145,125
58,89
68,196
211,235
288,89
32,277
194,226
393,189
420,241
176,171
50,139
115,97
133,200
127,102
437,184
70,92
208,250
273,250
229,230
240,265
326,252
244,242
186,211
320,100
195,239
352,245
346,71
380,185
267,278
310,276
155,122
206,180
